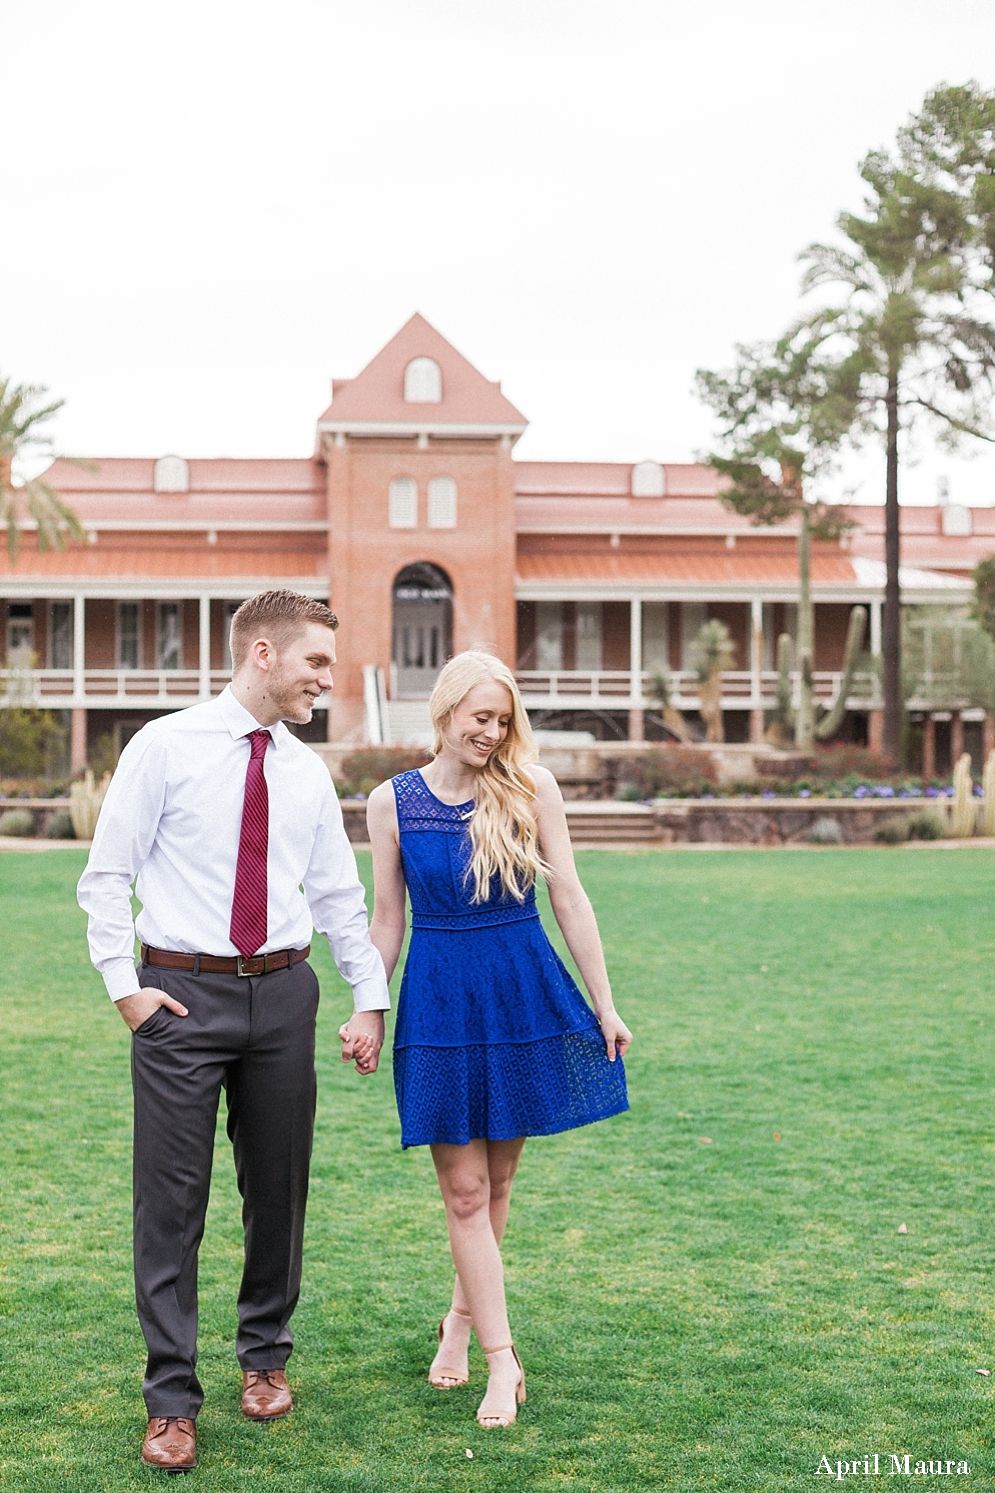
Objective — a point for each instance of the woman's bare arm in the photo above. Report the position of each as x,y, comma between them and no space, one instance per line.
573,911
389,912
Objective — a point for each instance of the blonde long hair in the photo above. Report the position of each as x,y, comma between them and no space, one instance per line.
504,832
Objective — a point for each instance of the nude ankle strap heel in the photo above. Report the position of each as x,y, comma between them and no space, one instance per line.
505,1418
441,1372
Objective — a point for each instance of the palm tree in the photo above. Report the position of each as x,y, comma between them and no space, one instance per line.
23,413
911,334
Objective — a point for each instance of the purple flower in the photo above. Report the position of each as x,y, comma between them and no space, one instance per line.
884,790
804,793
932,792
768,793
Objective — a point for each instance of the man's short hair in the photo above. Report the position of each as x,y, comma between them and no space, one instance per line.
279,616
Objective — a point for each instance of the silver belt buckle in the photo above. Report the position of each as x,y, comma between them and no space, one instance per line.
249,974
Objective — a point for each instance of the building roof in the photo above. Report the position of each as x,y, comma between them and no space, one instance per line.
374,399
736,571
610,479
119,491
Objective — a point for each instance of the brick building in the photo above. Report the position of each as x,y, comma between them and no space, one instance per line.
427,536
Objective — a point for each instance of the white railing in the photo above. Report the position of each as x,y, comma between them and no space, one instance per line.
607,689
131,687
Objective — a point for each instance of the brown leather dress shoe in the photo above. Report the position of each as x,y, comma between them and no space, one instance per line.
265,1394
170,1443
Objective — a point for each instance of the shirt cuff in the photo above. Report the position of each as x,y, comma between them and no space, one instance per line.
371,995
120,978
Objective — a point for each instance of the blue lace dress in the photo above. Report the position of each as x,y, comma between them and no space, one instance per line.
493,1038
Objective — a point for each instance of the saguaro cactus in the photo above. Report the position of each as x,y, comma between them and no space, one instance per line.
832,721
964,810
988,783
85,800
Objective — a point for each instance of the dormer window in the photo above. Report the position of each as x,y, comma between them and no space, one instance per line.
402,503
423,382
172,474
442,503
956,521
648,480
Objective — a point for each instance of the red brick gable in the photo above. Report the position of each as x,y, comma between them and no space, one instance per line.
376,396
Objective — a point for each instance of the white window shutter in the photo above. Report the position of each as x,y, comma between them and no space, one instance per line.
442,498
402,503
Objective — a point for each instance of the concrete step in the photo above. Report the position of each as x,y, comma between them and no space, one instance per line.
611,824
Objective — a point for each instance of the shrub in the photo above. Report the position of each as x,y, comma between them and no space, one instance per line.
60,826
825,832
19,822
676,772
846,761
894,830
362,771
926,826
32,742
628,793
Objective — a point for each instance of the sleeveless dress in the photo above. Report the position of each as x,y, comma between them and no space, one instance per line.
493,1039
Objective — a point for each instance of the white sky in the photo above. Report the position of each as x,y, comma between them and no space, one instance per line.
211,208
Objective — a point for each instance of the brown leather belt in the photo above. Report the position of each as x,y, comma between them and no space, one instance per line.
224,964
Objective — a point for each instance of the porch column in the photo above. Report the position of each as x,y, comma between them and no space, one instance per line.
988,734
928,748
876,628
79,648
637,727
77,735
956,739
756,667
204,655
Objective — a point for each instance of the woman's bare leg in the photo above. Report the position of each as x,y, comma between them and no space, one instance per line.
503,1157
475,1181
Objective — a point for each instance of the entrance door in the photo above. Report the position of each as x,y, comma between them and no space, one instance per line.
423,629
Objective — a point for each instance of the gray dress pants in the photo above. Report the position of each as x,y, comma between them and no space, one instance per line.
255,1037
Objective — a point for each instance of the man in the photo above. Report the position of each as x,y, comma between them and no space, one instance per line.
223,814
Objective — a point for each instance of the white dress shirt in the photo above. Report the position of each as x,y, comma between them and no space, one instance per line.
173,815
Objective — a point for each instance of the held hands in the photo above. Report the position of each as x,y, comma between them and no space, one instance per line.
616,1034
137,1008
362,1038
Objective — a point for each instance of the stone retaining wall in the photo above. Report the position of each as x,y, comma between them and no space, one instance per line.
730,821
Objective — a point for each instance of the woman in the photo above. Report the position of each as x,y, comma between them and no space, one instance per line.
494,1041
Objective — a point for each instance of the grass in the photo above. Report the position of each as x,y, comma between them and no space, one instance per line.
691,1316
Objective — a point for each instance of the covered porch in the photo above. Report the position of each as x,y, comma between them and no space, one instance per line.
117,654
599,653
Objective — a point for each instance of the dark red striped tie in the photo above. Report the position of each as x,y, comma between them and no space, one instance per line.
248,912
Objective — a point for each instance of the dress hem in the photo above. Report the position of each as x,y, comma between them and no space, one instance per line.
573,1124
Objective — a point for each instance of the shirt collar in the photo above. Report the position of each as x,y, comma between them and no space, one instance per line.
241,721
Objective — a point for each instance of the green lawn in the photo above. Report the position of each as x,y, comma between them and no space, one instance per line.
691,1316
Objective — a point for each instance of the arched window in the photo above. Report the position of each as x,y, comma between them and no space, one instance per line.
171,474
402,503
442,503
648,480
422,628
423,382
